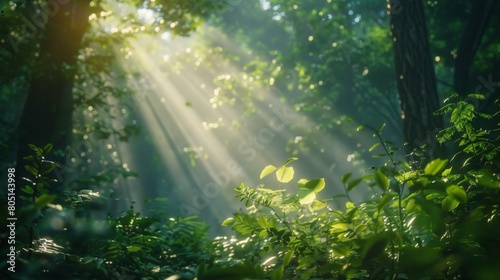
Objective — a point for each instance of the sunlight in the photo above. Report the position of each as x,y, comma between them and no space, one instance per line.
179,113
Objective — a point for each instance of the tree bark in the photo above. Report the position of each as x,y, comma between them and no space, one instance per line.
481,14
47,113
416,80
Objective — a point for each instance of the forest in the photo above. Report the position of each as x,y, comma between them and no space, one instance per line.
250,139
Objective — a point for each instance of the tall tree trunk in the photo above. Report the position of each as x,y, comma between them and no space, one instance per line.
47,113
480,15
416,80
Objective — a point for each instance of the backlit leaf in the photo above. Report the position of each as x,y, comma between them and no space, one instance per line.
267,170
435,166
285,174
316,185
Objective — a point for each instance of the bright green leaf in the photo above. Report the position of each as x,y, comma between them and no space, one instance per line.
433,167
306,196
302,183
338,227
133,249
290,160
457,193
285,174
449,203
316,185
263,221
446,172
228,222
317,205
384,200
410,205
374,146
267,170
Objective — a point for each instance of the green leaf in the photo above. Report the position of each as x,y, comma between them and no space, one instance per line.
316,185
351,185
278,273
345,177
263,233
263,221
33,147
47,148
270,191
381,180
457,193
27,189
302,183
267,170
86,260
476,96
487,178
317,205
287,257
446,172
31,170
435,166
285,174
290,160
384,200
133,249
449,203
360,228
379,130
338,227
306,196
228,222
410,205
374,146
43,200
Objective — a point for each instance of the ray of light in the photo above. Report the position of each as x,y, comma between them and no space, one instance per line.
173,116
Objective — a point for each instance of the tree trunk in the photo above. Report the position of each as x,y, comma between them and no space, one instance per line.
47,113
416,80
481,14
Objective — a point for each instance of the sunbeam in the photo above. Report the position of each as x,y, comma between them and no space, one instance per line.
200,154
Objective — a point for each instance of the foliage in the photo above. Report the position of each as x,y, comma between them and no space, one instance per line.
439,221
120,247
433,222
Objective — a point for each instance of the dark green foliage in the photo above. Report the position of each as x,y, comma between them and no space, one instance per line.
435,222
128,246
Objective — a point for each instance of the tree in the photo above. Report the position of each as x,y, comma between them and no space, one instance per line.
416,80
52,37
479,18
